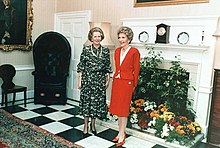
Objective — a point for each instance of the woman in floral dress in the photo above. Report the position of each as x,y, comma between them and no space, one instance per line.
93,79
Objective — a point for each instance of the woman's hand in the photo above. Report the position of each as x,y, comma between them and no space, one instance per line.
79,80
107,80
134,91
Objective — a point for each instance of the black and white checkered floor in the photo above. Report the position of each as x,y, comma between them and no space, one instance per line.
65,122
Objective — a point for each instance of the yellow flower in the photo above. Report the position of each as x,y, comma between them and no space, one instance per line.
162,108
195,124
154,113
132,109
198,128
161,105
192,128
139,102
180,130
168,116
137,110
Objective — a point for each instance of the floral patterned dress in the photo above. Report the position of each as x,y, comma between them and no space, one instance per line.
94,65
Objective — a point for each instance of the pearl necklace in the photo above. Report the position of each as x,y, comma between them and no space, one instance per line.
97,52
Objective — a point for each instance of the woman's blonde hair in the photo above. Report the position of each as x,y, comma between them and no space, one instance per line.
95,29
127,31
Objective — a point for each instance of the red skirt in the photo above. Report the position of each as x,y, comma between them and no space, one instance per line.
121,97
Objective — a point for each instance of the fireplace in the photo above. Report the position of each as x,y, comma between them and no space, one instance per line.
196,55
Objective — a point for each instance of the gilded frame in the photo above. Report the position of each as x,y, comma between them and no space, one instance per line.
148,3
26,44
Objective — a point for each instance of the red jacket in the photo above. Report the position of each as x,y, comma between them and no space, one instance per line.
130,67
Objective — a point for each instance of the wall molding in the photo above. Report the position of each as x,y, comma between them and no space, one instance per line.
24,67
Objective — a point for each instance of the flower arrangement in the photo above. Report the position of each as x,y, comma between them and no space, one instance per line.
140,112
167,125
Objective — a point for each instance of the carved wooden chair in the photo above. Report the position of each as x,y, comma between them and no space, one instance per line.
51,53
7,72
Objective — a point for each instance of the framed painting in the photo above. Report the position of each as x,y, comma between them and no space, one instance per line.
16,19
148,3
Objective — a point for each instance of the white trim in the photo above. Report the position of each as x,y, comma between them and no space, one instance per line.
24,67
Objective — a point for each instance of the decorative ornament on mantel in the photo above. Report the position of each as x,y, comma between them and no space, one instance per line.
162,33
203,36
105,26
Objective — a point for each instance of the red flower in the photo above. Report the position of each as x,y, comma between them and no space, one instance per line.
143,121
174,123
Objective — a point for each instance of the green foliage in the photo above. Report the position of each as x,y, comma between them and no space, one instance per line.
182,139
159,127
177,84
149,79
164,86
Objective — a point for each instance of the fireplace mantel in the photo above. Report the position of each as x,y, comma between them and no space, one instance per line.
197,56
173,46
195,26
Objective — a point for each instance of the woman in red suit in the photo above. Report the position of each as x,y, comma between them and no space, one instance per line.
125,79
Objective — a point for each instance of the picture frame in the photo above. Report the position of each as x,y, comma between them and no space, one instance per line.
16,20
148,3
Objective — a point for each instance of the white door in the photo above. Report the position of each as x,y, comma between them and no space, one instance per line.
74,26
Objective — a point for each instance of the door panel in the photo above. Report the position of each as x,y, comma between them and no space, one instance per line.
74,26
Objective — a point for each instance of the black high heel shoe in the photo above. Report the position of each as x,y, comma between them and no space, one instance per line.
85,134
94,132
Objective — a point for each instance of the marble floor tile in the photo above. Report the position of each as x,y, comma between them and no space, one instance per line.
94,142
57,116
132,142
99,128
40,120
44,110
56,127
26,115
61,107
31,106
14,109
72,135
72,121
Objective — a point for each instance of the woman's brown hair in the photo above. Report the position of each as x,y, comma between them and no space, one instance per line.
95,29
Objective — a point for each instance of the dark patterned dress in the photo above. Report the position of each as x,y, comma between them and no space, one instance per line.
94,65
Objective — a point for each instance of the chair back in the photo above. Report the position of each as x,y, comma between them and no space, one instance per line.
7,72
51,53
